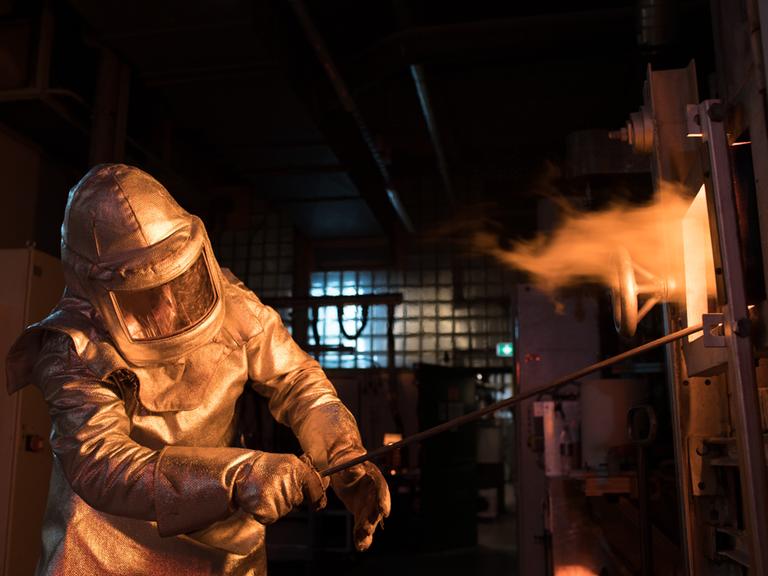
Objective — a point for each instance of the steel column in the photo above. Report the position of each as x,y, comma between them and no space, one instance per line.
741,372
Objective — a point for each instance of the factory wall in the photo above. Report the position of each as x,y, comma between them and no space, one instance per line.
34,191
455,308
19,165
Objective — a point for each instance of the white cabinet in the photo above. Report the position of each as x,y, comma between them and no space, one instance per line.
31,283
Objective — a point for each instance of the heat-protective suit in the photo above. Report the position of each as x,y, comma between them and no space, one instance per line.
142,364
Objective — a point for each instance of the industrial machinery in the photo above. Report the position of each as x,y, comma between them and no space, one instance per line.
713,384
716,384
716,381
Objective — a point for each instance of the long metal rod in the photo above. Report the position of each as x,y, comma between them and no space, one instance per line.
417,72
507,402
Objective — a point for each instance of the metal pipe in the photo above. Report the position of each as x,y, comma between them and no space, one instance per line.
512,400
417,72
348,103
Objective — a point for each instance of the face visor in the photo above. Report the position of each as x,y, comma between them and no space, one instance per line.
168,309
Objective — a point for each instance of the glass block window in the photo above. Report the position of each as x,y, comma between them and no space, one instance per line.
452,313
261,257
439,322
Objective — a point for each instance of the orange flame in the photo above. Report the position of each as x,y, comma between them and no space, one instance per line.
583,247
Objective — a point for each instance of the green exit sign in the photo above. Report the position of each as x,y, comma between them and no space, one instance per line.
505,349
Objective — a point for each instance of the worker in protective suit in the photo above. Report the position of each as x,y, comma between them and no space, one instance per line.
142,363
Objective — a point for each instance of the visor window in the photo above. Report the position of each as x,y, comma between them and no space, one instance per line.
170,308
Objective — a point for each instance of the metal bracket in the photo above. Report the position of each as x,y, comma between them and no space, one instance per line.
730,543
714,331
703,478
693,121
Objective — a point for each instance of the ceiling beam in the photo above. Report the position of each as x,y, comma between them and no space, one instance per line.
534,38
189,75
349,135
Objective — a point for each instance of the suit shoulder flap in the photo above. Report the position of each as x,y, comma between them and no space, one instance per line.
72,317
243,309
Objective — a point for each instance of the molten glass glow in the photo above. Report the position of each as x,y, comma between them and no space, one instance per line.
391,438
699,265
574,570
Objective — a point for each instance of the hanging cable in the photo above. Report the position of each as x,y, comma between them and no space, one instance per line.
363,322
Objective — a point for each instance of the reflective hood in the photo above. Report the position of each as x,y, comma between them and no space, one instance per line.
143,262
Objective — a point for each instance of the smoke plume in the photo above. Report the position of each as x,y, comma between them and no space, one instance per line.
583,247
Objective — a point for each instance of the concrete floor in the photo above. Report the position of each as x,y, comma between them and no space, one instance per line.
495,555
477,561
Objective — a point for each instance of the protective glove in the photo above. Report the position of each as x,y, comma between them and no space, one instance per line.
271,485
365,493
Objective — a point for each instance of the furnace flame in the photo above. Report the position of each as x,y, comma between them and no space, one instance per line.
584,247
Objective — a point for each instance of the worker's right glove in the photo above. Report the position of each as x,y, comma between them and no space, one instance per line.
271,485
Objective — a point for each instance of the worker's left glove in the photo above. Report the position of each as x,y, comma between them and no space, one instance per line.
329,433
364,492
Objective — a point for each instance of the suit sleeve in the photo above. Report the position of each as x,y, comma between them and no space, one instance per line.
182,489
300,394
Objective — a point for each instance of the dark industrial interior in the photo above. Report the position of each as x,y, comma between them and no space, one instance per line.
393,177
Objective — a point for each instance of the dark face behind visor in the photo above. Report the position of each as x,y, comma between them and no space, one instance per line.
170,308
